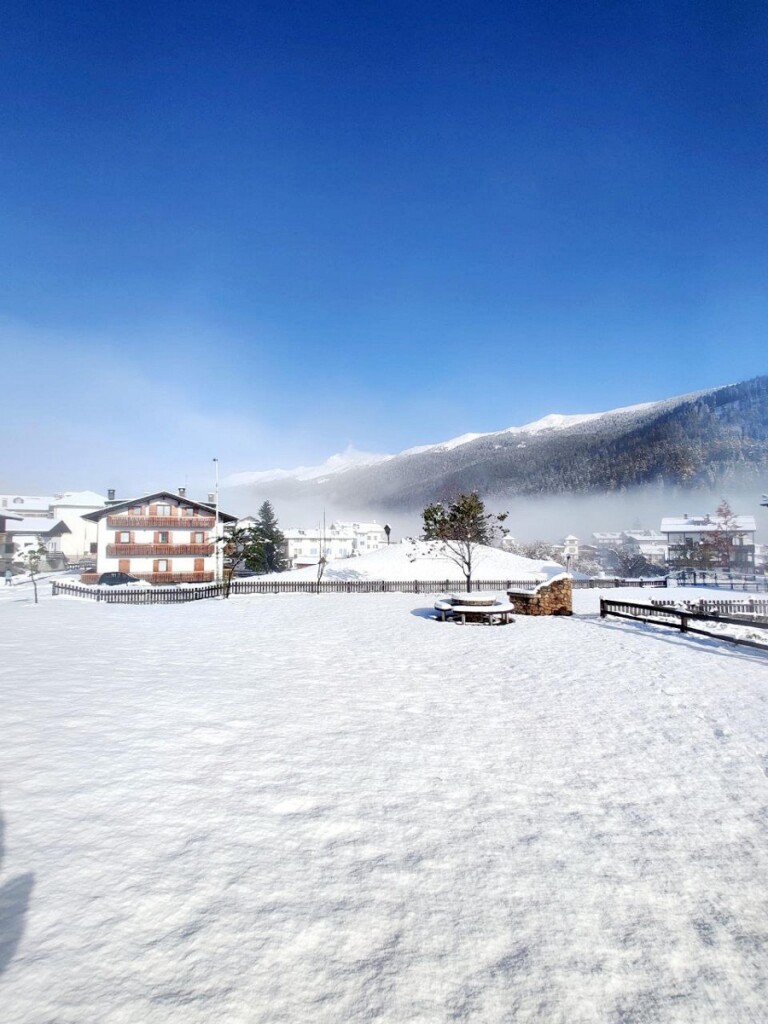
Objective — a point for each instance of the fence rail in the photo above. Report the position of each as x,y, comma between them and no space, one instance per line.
680,618
722,580
180,595
750,609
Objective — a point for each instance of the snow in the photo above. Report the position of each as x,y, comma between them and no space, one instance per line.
351,458
333,808
422,560
339,463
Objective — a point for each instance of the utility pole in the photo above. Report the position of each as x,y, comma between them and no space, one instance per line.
219,552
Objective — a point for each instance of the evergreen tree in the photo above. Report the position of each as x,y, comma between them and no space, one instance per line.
269,555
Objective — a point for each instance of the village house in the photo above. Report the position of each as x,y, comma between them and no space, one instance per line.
45,514
339,540
686,534
163,537
651,544
6,539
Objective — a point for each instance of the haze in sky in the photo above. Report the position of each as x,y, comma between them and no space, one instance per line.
264,232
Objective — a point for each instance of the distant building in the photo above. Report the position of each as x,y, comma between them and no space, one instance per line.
79,540
607,547
651,544
6,539
686,535
305,547
163,537
31,532
570,551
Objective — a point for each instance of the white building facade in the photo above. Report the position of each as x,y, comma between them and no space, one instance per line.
305,547
161,537
75,543
685,534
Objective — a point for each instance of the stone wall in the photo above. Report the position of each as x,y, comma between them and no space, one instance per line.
552,598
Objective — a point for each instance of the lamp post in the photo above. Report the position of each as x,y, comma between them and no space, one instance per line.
387,530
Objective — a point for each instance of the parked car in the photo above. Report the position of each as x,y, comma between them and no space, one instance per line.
115,579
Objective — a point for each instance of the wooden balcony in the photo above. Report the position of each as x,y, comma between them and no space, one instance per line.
158,578
162,522
160,550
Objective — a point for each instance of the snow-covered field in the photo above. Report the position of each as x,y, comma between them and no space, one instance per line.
300,808
425,560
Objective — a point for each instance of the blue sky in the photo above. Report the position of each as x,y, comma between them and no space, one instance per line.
268,231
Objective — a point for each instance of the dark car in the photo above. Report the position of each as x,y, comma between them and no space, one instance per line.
114,579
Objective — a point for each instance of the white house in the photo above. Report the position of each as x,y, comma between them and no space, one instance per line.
162,537
651,544
29,532
339,540
686,533
69,507
7,548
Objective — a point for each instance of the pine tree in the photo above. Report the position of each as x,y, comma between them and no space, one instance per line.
269,556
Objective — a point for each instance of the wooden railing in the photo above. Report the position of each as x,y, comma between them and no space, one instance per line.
748,608
162,522
679,618
159,550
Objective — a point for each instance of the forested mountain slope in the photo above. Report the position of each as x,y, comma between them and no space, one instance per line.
704,440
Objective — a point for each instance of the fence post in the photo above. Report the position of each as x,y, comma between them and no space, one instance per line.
602,607
683,622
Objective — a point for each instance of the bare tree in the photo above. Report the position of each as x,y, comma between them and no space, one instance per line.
31,559
461,528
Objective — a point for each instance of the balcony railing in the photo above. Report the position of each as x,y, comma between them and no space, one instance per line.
158,577
163,522
159,550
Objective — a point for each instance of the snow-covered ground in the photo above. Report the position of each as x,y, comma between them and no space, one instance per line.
426,560
301,808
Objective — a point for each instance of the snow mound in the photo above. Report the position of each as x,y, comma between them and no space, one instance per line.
422,560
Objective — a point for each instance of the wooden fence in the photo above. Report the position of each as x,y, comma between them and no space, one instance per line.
722,580
182,594
748,608
680,618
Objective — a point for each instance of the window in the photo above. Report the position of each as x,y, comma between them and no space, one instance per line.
163,510
163,537
162,565
137,510
198,538
123,538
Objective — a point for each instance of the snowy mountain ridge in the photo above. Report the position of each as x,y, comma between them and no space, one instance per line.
351,458
710,440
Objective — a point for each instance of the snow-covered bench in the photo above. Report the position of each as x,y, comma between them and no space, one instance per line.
498,613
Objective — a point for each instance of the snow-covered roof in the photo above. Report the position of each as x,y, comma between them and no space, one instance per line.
5,513
38,524
79,499
706,524
145,499
26,502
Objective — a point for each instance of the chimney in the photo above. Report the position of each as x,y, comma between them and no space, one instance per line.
211,497
111,494
182,492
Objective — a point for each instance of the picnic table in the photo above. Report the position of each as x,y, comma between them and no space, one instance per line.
477,607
